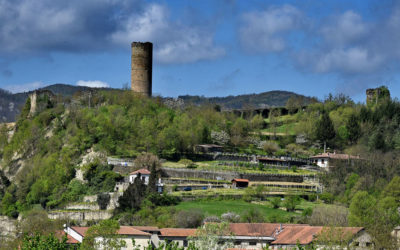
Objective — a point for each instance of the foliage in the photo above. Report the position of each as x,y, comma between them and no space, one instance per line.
331,216
252,216
42,242
208,237
103,235
133,196
147,161
291,202
103,199
276,202
324,129
189,219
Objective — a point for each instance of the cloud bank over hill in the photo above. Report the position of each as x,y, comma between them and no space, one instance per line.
46,26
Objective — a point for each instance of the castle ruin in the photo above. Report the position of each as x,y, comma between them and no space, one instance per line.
141,72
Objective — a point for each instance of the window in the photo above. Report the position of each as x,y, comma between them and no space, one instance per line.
322,161
252,243
237,242
368,244
356,244
185,243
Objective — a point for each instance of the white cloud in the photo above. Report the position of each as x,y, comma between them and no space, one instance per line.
46,26
352,60
25,87
345,28
265,31
173,42
93,84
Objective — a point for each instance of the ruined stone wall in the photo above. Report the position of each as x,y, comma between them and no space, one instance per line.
141,72
40,100
80,216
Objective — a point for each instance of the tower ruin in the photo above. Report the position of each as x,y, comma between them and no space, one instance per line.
141,72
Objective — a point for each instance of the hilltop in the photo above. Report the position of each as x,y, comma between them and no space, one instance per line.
11,104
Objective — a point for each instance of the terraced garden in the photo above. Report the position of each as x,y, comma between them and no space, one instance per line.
240,168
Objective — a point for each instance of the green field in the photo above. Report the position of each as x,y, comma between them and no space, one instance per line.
218,207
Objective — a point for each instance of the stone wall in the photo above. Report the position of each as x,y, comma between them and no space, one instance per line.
91,202
188,173
80,216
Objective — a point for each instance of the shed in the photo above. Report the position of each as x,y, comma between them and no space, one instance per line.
240,183
208,148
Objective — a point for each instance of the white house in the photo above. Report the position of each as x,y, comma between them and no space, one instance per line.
324,160
144,175
125,233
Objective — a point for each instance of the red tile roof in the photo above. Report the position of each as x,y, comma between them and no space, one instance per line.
127,230
70,240
146,228
123,230
141,171
253,229
291,235
240,180
178,232
80,230
305,234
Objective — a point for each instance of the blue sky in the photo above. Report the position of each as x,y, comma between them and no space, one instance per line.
207,47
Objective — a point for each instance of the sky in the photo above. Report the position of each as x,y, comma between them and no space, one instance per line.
204,47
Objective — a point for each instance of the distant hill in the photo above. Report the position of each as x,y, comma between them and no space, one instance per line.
275,98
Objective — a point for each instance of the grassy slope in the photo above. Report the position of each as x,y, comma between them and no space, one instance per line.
218,207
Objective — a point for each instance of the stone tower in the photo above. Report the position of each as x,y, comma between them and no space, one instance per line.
142,63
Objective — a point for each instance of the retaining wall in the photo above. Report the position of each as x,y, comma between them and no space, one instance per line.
188,173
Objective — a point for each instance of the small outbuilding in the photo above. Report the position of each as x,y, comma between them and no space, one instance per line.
208,148
240,183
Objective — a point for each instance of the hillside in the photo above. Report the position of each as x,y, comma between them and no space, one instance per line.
11,104
274,98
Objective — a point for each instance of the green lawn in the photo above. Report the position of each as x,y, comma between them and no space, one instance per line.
218,207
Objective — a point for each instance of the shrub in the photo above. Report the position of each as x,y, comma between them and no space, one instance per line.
212,218
230,217
327,197
103,199
291,202
252,216
276,202
189,219
270,147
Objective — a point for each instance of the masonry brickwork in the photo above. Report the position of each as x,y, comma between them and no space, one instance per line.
141,72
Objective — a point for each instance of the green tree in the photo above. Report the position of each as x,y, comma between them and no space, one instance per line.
152,185
103,235
208,237
324,129
43,242
393,189
276,202
353,128
361,212
133,196
291,202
